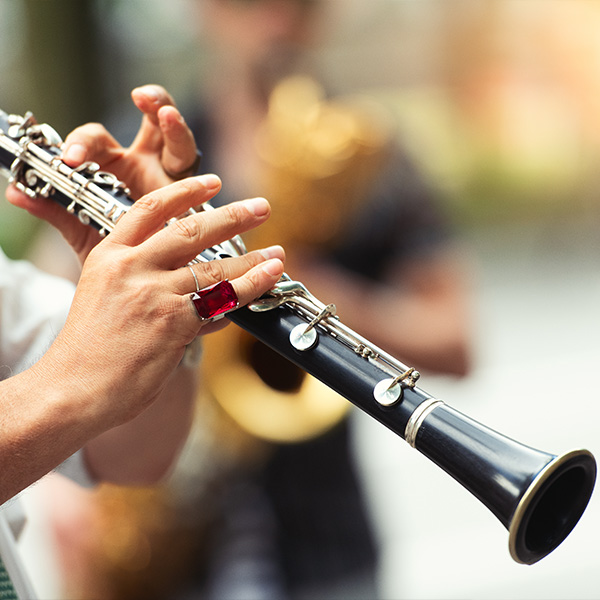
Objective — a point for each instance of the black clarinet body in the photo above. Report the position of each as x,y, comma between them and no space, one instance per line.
538,497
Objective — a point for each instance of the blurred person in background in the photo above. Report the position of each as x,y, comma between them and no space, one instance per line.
395,253
362,228
275,517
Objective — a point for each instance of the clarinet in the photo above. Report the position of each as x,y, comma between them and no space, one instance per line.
539,497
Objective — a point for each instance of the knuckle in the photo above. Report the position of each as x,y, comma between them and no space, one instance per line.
150,203
213,272
256,282
91,129
186,229
236,216
115,267
87,133
190,186
168,312
192,190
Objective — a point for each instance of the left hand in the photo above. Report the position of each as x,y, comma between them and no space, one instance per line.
164,144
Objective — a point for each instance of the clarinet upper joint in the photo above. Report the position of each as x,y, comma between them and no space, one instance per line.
26,129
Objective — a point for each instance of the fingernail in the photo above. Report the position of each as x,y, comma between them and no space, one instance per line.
272,252
259,207
210,181
273,267
75,154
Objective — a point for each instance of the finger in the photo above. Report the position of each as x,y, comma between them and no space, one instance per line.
151,212
179,155
149,99
205,274
185,238
75,233
258,280
91,142
253,284
40,207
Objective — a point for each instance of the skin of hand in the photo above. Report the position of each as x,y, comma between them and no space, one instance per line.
104,378
163,144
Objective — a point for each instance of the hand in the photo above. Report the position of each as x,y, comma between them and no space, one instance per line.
132,317
164,144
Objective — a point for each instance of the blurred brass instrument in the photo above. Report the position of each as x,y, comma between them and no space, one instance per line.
317,158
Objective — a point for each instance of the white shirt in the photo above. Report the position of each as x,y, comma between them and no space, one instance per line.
33,308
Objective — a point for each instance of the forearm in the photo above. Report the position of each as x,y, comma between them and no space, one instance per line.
42,422
144,450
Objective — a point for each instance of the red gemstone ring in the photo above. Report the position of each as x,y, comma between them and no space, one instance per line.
213,302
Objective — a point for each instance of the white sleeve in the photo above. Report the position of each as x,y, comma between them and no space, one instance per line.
12,560
33,309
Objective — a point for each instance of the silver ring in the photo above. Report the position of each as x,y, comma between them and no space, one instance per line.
195,278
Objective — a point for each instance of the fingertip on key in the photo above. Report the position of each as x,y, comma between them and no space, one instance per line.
273,267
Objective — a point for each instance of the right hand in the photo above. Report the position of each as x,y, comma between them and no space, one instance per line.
132,317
